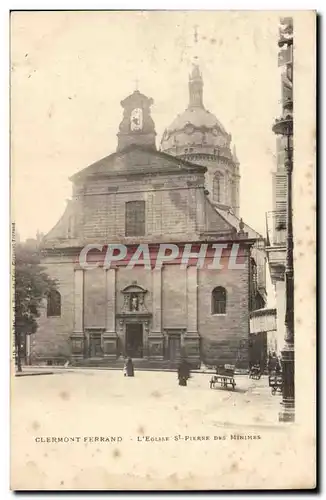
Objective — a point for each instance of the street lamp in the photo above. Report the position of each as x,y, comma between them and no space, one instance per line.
284,126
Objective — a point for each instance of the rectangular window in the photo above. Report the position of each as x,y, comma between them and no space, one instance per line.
135,218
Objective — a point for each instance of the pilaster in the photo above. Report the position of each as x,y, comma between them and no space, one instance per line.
77,338
191,339
109,337
155,336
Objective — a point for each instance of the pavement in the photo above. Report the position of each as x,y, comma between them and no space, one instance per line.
30,372
126,432
252,395
39,369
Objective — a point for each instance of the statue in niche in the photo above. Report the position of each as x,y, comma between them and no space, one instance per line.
134,302
126,302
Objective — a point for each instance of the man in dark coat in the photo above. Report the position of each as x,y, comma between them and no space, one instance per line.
129,368
183,372
273,364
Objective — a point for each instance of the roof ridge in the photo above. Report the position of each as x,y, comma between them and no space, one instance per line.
238,218
174,159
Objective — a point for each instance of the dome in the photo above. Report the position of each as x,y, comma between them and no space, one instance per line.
196,129
199,137
199,118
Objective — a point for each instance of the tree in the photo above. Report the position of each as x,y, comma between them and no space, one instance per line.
32,284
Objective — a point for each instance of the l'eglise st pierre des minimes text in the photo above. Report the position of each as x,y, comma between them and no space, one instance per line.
146,439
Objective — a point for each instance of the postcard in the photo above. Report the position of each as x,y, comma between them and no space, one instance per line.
163,250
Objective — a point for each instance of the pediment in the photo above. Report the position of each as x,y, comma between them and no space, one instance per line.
134,288
137,160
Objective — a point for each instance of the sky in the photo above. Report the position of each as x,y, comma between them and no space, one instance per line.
70,70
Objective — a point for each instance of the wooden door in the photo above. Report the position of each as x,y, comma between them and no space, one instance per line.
174,347
95,347
134,340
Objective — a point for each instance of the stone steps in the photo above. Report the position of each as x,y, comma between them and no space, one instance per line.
118,364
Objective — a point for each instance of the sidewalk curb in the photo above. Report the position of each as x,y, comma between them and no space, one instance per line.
30,374
72,368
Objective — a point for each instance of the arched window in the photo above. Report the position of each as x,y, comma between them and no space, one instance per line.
234,194
54,303
219,300
227,189
217,187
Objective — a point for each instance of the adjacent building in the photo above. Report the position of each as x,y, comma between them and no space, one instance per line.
276,220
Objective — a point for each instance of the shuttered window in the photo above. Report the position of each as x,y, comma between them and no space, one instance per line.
280,186
286,92
280,199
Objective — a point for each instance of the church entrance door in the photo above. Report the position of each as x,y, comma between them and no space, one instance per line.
95,347
134,340
174,347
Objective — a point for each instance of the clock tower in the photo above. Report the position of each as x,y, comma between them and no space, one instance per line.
137,126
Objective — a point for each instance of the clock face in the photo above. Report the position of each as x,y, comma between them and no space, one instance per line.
136,119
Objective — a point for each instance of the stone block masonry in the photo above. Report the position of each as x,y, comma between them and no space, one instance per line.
224,337
178,300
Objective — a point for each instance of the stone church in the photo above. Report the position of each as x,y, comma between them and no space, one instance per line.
185,193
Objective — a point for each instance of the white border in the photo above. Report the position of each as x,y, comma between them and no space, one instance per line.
5,6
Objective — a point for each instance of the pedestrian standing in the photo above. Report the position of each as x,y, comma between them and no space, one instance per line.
125,367
183,372
128,369
273,363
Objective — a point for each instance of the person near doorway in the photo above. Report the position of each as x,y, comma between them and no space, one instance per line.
273,363
183,372
278,365
128,369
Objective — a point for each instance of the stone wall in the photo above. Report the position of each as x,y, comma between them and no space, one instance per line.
176,206
176,299
94,298
224,338
52,337
170,208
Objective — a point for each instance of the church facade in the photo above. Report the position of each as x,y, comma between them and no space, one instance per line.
184,196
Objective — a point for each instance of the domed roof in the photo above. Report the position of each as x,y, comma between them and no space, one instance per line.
196,126
199,118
